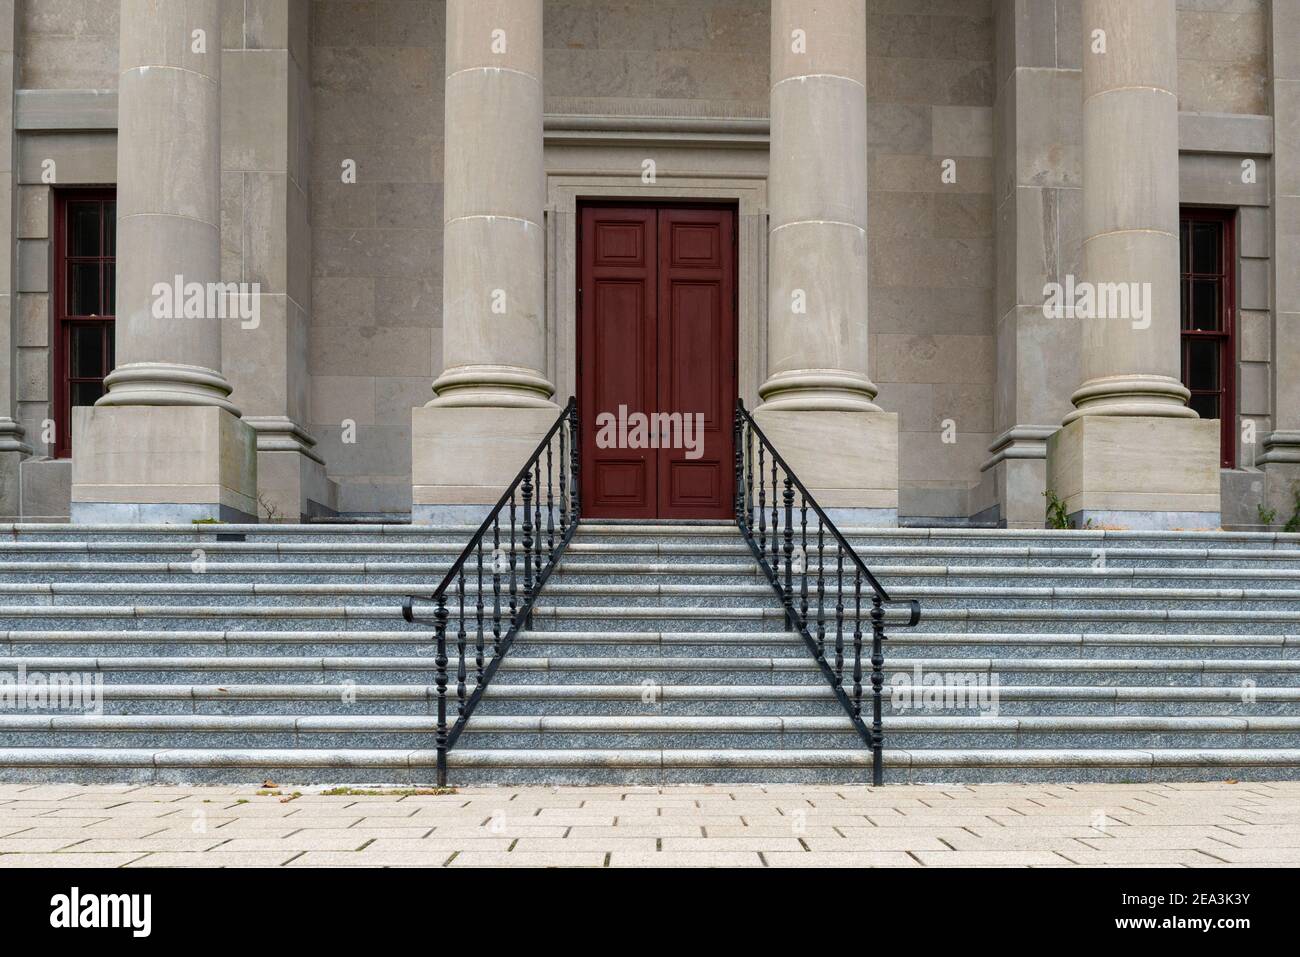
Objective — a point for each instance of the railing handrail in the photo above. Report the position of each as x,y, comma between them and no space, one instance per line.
844,669
834,530
408,605
541,550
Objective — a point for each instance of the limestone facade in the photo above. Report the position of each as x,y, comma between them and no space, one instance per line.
365,193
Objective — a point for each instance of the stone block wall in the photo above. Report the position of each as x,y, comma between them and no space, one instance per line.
357,276
1223,56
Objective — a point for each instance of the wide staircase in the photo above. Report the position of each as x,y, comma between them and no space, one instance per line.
656,653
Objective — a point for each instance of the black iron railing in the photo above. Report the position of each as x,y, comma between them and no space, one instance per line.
806,577
507,562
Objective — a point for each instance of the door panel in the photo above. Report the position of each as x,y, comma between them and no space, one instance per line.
697,352
657,336
617,356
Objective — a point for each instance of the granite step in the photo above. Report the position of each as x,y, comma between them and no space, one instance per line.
521,668
551,618
903,645
658,654
544,732
644,766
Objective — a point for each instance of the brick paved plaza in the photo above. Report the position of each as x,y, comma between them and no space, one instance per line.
1192,825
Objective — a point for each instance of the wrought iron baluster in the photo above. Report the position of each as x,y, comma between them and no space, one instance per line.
749,477
460,645
514,589
787,497
857,642
839,614
478,614
776,525
550,506
762,506
440,682
527,543
537,521
498,566
575,443
564,482
738,466
821,589
877,683
803,558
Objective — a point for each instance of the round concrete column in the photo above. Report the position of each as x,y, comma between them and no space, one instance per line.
1131,363
494,245
169,204
817,183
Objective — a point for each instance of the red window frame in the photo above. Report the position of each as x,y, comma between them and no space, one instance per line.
1197,283
66,322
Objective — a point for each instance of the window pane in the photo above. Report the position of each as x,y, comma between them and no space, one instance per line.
110,337
86,393
1205,305
110,290
110,228
86,351
83,289
1205,247
1184,259
1202,365
1185,303
1206,406
83,229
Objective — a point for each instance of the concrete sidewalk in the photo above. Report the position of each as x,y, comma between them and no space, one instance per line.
1188,825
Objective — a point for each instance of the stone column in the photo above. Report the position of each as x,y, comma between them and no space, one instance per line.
13,448
1281,458
1132,453
493,399
1037,175
818,401
265,151
165,443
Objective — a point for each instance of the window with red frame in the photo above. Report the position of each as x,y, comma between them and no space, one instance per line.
85,248
1208,255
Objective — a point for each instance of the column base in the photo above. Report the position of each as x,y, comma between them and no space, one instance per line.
291,482
462,458
46,490
1281,465
847,460
1141,472
162,464
1282,492
1015,477
11,484
293,487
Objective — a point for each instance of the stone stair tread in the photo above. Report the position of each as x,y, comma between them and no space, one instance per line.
518,662
646,723
680,757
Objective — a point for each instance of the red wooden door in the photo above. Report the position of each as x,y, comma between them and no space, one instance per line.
657,361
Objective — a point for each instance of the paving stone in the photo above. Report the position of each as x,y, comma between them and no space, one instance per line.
515,859
216,859
68,860
1017,858
686,859
840,859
